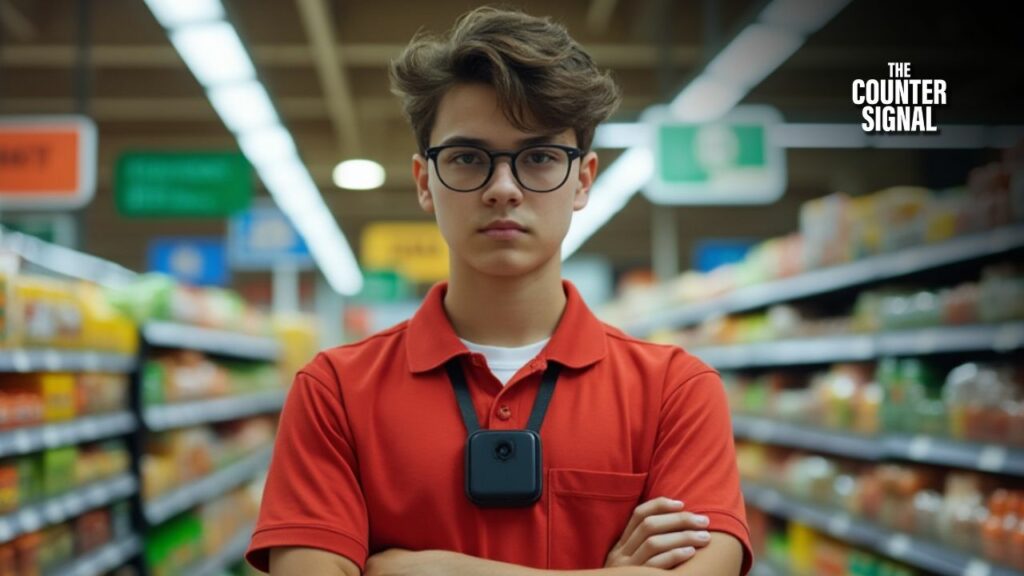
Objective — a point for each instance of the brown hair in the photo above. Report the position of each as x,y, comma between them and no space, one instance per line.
542,76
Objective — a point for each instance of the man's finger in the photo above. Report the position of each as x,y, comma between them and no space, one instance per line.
660,505
662,524
661,543
671,559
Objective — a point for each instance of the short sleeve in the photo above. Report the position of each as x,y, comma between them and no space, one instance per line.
694,458
312,496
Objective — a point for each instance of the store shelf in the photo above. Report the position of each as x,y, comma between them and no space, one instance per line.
764,567
777,433
219,342
206,489
916,552
102,560
232,553
85,429
60,508
826,280
1003,337
56,360
994,458
169,416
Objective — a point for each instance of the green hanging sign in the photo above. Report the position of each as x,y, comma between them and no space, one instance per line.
162,184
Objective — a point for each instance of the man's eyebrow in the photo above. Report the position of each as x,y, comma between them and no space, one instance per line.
467,141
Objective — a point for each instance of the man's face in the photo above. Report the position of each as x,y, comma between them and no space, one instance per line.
501,229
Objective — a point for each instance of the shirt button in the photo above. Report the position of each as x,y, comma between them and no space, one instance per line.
504,413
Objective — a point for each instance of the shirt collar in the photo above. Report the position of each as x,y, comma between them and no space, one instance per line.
578,341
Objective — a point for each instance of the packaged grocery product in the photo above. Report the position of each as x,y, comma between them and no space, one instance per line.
59,397
103,326
9,312
9,497
903,211
27,554
58,468
824,226
8,560
52,314
100,393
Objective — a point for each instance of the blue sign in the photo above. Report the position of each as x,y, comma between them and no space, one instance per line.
710,254
198,261
262,237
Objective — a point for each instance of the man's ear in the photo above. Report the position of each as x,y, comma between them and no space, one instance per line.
421,174
588,173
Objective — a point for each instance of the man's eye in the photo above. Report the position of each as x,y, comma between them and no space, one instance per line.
466,159
539,158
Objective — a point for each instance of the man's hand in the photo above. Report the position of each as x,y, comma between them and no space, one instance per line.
659,535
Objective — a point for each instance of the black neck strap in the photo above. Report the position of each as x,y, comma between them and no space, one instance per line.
540,405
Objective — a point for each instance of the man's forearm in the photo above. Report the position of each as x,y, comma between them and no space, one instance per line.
456,564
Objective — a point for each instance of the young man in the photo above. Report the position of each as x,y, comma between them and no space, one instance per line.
370,472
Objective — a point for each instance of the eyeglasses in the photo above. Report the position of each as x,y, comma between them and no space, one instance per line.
540,168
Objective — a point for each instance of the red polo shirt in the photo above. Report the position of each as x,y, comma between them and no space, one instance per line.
369,453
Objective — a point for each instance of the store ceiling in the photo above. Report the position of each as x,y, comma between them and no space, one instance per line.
142,96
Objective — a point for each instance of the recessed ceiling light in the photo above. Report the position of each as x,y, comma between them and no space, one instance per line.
358,175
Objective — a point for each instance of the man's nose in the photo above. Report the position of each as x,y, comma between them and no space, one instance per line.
503,186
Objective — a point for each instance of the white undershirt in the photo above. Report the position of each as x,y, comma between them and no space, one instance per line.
505,362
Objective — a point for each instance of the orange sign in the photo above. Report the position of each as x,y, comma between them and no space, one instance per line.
47,162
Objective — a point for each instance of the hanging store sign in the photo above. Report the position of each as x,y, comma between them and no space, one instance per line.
729,161
196,261
262,238
414,249
167,184
47,162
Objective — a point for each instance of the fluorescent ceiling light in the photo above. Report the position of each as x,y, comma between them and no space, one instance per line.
174,13
753,55
621,135
705,99
266,144
298,197
358,175
213,52
801,16
819,136
750,57
630,172
244,106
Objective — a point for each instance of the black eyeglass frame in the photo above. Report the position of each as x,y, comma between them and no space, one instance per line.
573,153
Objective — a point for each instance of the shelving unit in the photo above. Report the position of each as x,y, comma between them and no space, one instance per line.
59,508
1003,337
826,280
102,560
917,552
764,567
56,360
205,489
230,554
85,429
961,340
217,342
158,418
992,458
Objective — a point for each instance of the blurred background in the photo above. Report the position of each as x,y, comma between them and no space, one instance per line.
182,227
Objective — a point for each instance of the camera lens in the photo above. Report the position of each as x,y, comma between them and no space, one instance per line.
503,450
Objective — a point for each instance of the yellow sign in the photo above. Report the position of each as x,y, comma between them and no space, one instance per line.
414,249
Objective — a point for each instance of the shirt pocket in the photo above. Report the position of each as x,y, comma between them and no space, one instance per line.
587,512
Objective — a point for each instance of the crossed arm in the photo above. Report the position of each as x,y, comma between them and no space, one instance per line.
658,537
